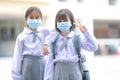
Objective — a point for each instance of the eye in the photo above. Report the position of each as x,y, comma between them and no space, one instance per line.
37,17
31,17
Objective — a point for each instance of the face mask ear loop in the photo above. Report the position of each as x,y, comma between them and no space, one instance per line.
26,25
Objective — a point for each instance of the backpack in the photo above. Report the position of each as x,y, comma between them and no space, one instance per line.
82,58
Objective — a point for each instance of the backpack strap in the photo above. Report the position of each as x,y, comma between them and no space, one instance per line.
82,58
76,42
54,47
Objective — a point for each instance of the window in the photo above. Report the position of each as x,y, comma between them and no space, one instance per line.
7,33
79,1
112,2
107,29
114,30
10,28
63,0
3,33
69,0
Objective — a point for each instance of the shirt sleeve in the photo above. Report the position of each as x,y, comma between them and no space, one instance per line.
45,32
89,42
49,67
51,37
17,61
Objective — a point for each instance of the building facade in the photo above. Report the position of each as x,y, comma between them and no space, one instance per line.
100,16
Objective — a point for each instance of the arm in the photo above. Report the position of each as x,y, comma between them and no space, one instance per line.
49,67
51,37
17,61
45,32
48,40
90,42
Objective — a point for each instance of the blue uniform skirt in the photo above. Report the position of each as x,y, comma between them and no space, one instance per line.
33,67
67,71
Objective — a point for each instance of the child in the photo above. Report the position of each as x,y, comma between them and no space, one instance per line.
65,66
28,59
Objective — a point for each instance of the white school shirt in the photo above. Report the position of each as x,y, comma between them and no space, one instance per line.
24,45
70,55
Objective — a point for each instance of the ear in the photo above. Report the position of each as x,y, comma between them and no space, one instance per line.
74,25
26,19
41,19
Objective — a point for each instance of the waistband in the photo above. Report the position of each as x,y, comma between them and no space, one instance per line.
33,57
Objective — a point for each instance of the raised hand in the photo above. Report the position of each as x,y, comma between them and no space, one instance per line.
81,27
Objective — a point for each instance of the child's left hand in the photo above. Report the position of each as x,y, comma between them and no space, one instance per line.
81,27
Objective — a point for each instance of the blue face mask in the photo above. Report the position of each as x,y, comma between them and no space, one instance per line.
33,23
64,26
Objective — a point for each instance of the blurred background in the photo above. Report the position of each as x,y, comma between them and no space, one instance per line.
101,17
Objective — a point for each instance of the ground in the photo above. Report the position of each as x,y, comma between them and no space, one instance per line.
101,68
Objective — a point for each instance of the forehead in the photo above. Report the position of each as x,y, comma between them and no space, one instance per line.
35,13
63,17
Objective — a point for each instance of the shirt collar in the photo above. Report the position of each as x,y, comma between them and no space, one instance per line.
70,35
27,30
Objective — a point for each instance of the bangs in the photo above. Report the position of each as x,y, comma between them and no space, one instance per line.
62,17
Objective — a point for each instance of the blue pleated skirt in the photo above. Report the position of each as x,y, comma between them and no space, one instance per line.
33,67
67,71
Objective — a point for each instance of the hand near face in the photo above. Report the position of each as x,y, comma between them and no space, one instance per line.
81,27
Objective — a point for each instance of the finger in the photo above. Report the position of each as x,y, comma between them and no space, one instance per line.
76,24
79,22
45,51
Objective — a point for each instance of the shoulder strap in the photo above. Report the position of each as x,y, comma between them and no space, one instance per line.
76,41
77,47
54,47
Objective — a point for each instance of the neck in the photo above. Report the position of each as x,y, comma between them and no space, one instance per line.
65,33
32,29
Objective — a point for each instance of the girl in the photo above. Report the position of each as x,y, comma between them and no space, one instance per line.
65,66
28,59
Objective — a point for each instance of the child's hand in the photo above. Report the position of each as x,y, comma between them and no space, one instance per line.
45,49
82,28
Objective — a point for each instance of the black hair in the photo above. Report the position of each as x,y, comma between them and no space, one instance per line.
31,9
63,14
